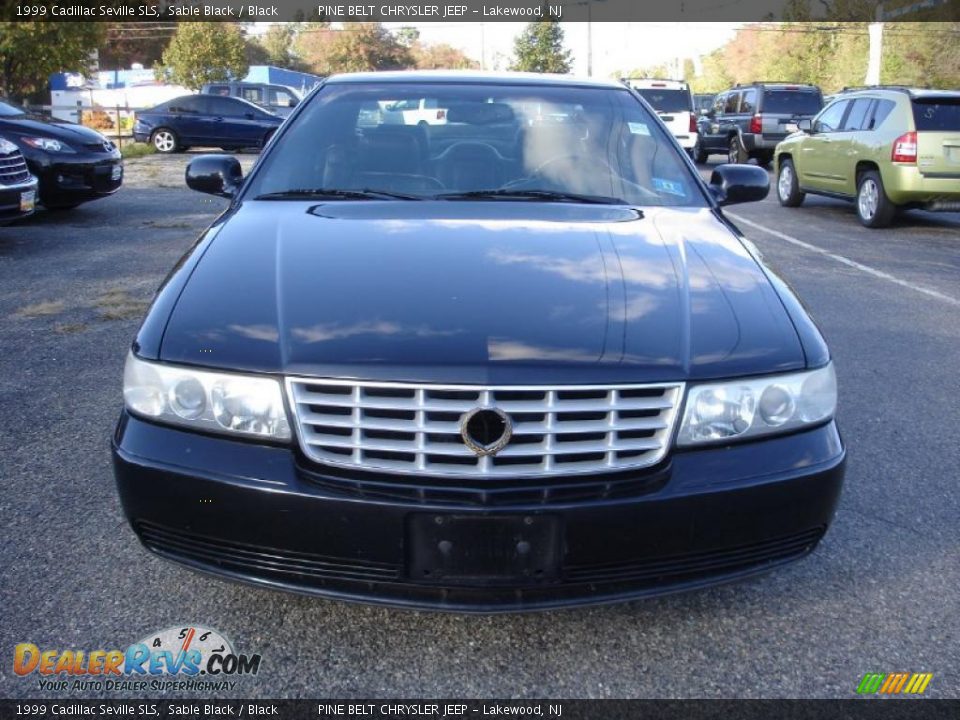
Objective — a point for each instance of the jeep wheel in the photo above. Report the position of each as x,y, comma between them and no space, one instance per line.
735,154
873,206
788,189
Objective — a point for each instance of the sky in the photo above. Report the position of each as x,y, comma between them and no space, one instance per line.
621,46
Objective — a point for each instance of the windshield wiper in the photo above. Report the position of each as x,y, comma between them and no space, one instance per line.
544,195
327,193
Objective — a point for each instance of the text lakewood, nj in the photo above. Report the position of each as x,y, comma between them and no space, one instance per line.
406,11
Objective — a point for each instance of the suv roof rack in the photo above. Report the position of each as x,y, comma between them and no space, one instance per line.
901,88
774,82
626,79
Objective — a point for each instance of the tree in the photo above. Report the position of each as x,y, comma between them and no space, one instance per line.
539,48
134,42
356,47
204,52
31,51
440,56
277,42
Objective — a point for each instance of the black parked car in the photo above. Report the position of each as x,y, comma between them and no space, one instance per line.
498,365
207,120
18,188
747,121
73,163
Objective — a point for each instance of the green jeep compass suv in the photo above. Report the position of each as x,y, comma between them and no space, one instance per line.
884,147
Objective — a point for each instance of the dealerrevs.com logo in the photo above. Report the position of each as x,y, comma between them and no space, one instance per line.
179,658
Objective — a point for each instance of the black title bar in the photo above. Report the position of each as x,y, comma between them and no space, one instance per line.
479,10
67,707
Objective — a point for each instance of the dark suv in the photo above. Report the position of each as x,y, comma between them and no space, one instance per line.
747,121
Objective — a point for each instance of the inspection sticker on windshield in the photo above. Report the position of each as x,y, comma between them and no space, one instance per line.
672,187
638,128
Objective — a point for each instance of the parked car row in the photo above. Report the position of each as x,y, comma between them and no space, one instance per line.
71,163
884,147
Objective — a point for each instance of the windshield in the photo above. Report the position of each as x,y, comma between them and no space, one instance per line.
8,110
482,142
667,100
792,102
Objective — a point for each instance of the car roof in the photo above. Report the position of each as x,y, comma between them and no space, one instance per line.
913,92
473,77
662,83
231,98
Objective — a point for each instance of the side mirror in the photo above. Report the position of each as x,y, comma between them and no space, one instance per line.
732,184
219,175
806,125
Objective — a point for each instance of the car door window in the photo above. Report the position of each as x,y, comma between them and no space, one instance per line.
748,103
719,102
880,112
829,120
732,104
856,118
278,97
252,94
191,105
226,107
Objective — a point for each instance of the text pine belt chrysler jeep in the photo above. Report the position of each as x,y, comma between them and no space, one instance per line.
886,148
519,360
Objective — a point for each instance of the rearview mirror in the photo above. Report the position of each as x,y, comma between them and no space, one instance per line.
805,125
732,184
219,175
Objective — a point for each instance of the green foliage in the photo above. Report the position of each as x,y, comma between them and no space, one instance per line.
834,55
204,52
539,48
356,47
31,51
277,43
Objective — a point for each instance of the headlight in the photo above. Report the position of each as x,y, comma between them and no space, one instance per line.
6,147
216,402
717,412
48,144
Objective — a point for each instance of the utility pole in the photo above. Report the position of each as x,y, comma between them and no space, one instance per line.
876,33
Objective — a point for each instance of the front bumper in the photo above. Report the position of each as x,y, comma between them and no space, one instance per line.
12,199
261,514
75,178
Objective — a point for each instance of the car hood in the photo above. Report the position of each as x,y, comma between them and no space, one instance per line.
479,292
43,127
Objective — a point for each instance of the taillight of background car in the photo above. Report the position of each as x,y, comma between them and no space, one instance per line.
693,123
905,148
756,124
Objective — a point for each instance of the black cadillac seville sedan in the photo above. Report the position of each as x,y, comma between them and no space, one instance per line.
517,360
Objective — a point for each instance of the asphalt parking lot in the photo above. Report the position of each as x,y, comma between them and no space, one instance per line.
879,594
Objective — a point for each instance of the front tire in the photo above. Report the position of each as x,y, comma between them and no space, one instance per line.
165,141
699,154
873,206
788,187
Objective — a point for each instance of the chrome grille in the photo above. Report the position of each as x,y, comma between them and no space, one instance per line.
13,169
558,430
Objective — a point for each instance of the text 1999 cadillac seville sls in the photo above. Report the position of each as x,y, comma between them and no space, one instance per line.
517,360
